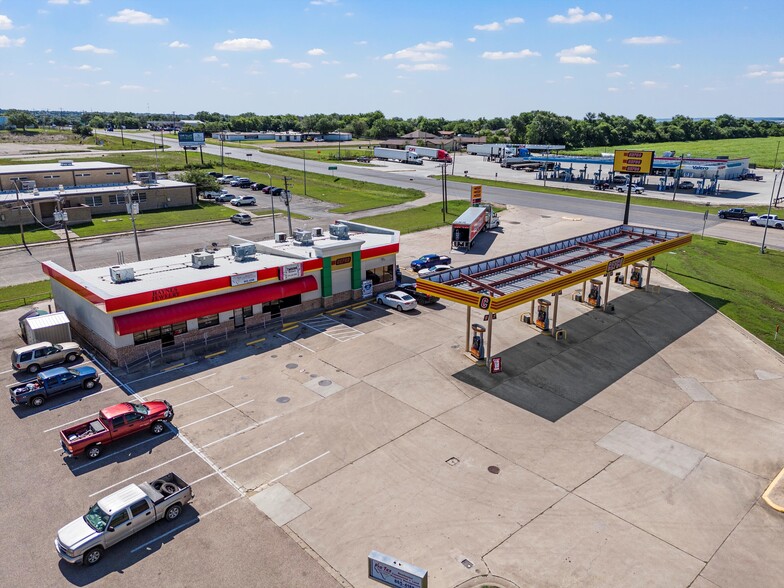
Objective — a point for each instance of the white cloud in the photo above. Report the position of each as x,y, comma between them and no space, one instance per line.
6,41
577,55
397,91
81,2
210,59
360,42
136,17
615,74
51,62
496,55
493,26
351,76
708,89
301,65
776,81
6,23
428,51
105,83
86,67
612,89
281,60
93,49
781,60
316,52
473,40
656,40
567,78
243,44
178,45
58,2
330,62
650,84
423,67
577,15
514,20
756,74
131,88
675,66
323,2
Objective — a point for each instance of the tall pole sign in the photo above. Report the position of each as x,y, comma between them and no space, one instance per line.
634,163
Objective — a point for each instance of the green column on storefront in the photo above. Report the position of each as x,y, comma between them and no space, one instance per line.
326,277
356,270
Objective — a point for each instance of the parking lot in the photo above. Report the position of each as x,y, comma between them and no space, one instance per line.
632,453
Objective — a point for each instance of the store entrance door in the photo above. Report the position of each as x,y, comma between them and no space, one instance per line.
239,318
274,308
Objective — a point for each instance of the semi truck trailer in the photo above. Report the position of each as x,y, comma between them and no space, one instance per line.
466,227
401,155
431,153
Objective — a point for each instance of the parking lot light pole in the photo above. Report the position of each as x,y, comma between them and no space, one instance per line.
287,200
133,210
272,204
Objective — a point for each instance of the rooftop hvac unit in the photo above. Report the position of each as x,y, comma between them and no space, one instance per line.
280,237
318,232
26,185
121,274
145,177
338,231
66,162
242,252
202,259
303,236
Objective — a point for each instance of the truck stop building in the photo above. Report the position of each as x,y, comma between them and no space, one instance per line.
130,311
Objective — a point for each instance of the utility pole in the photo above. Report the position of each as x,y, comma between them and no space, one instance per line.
304,172
287,201
61,215
770,205
223,138
133,209
443,192
21,224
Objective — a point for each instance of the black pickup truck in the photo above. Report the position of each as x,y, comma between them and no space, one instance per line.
736,214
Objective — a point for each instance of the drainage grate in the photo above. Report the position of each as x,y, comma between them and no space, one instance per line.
453,461
494,470
467,563
292,366
282,399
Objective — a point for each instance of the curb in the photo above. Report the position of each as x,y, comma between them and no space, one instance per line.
772,488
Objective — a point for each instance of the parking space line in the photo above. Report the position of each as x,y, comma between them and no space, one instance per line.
168,461
216,414
161,372
204,396
297,468
6,371
216,354
142,397
183,526
295,343
256,341
108,455
179,385
332,328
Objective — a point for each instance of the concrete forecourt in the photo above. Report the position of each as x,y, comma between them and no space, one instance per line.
632,453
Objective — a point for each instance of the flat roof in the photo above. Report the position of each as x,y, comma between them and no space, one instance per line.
31,168
511,280
49,193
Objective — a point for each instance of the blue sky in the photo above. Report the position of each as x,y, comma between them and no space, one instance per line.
457,59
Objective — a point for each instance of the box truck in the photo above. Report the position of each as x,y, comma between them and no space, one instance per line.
401,155
431,153
466,227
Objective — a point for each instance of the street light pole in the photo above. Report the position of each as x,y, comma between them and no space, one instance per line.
272,203
63,217
223,137
133,210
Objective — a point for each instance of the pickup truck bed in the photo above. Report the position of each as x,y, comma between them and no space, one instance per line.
163,488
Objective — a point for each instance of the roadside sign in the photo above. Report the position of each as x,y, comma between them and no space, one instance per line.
476,195
332,167
393,572
487,317
633,162
495,365
706,216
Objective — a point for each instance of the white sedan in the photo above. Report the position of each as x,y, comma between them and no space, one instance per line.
397,299
432,270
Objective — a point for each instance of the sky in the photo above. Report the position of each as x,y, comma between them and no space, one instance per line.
406,58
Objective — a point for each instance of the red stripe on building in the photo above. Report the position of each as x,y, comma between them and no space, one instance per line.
380,251
176,313
70,284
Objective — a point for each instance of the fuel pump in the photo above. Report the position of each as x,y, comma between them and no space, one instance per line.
635,280
594,294
543,314
478,341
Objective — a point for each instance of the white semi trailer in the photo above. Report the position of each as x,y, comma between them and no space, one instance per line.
401,155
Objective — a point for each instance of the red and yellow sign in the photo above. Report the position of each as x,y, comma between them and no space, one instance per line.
633,162
476,194
341,262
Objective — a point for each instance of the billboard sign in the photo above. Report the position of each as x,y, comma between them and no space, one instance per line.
633,162
391,572
189,139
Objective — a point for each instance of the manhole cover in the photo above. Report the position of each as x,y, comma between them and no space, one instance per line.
292,366
274,356
455,346
325,383
513,222
494,470
282,399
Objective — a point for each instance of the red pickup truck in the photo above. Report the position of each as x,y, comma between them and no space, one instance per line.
115,422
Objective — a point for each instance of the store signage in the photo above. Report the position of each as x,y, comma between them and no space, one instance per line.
342,262
495,365
484,302
240,279
289,272
165,294
367,288
614,264
391,572
633,162
476,194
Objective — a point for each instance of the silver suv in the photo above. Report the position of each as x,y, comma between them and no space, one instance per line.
33,357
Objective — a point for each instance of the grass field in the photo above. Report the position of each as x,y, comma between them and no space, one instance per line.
9,236
24,294
154,219
325,154
419,218
734,279
760,151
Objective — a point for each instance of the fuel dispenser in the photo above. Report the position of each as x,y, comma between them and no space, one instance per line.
478,341
595,293
635,280
543,314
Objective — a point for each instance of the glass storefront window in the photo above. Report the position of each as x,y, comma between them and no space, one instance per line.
379,275
208,321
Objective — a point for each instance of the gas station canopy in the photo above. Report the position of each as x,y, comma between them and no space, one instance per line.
505,282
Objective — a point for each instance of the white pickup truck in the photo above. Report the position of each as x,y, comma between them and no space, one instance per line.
120,515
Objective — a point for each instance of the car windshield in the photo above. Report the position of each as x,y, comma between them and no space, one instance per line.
140,408
406,298
96,518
